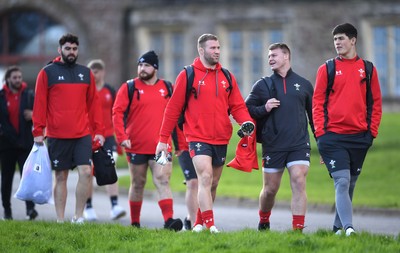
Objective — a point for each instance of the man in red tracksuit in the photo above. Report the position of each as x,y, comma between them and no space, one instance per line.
207,126
139,138
346,121
65,110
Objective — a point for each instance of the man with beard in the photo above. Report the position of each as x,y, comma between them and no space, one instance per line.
207,125
138,134
66,110
16,103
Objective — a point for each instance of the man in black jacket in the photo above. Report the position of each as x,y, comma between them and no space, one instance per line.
16,140
285,101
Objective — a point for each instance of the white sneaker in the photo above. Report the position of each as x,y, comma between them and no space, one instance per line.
198,228
214,230
350,231
90,214
79,221
117,212
339,232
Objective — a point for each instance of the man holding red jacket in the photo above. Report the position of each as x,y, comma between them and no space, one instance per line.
207,126
66,109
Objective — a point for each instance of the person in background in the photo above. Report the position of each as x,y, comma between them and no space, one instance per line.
67,107
287,107
346,119
106,95
207,126
138,133
16,140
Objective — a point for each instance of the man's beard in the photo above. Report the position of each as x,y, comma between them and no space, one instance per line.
69,60
210,60
147,76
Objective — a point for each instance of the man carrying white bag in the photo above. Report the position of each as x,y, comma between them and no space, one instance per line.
36,182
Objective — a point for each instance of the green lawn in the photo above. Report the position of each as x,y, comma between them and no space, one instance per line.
24,236
377,186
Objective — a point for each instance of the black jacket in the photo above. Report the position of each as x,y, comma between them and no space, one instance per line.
287,126
8,135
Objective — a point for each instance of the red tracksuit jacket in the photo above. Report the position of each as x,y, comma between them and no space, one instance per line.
207,116
66,102
347,110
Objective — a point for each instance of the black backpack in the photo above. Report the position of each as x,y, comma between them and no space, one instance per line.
131,90
260,122
331,72
189,89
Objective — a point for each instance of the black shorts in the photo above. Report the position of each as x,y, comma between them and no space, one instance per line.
110,144
187,166
217,152
277,161
141,158
66,154
344,151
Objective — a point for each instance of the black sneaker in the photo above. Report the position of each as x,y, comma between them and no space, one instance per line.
7,214
173,224
136,224
263,226
31,214
187,224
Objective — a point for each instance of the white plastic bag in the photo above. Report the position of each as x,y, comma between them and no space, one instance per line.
36,182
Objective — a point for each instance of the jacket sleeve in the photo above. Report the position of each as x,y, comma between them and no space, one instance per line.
237,105
174,107
39,114
377,106
94,108
256,100
319,100
120,105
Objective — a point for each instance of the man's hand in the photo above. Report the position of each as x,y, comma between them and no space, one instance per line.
99,138
126,144
271,104
161,153
27,115
39,139
161,146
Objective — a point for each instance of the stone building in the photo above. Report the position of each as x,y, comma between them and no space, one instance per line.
119,31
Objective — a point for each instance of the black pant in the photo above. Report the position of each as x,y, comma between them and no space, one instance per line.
9,158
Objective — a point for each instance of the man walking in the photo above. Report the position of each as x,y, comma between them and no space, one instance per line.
347,112
67,110
282,102
207,126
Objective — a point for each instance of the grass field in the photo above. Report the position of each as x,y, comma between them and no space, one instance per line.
377,186
17,236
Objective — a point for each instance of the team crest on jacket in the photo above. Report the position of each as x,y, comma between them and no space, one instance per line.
162,92
81,76
361,72
297,86
223,84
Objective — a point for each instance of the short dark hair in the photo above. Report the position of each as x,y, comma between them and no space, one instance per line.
347,29
282,46
9,70
69,37
204,38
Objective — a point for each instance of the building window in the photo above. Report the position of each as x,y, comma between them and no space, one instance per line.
169,47
247,54
28,39
386,43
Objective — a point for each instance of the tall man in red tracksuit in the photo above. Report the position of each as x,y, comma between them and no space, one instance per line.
139,137
207,126
345,121
66,109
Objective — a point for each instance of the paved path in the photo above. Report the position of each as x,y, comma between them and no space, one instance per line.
230,215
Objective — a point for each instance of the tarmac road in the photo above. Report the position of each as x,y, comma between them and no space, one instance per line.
230,214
